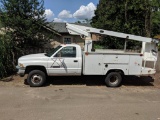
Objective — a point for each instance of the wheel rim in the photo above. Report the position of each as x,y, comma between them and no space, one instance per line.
113,80
36,79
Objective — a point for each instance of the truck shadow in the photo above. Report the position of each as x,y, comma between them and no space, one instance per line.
98,81
138,81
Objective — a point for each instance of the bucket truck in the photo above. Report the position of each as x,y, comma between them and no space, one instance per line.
70,60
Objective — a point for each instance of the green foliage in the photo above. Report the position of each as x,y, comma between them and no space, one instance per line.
6,63
24,23
155,17
98,46
25,19
139,17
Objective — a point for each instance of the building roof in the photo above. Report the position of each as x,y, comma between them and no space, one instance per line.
51,29
3,29
61,26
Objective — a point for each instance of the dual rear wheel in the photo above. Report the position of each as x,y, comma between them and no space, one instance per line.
113,79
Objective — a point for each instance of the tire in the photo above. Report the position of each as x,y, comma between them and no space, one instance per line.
113,79
36,78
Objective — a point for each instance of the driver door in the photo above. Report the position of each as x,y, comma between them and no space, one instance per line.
65,62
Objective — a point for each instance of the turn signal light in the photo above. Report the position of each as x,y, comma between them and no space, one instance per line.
86,53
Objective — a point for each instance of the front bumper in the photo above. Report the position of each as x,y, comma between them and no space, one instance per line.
20,71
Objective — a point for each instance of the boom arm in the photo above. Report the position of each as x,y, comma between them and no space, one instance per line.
86,31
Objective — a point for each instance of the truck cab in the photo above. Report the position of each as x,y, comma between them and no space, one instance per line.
67,60
64,60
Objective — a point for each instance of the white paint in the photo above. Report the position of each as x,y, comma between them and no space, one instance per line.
135,65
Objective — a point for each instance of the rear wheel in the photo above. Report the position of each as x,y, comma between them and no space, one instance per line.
36,78
113,79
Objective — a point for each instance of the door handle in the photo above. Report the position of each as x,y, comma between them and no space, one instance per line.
75,60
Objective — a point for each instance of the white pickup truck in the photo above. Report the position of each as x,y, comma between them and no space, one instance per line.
70,60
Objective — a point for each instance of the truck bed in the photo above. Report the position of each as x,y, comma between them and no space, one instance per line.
100,63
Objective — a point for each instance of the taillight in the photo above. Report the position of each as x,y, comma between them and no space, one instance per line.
86,53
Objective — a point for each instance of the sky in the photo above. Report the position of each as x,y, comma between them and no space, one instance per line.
69,10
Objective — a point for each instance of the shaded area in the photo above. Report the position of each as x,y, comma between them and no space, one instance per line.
98,80
7,79
138,81
77,80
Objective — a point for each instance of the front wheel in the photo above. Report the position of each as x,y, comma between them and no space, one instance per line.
36,78
113,79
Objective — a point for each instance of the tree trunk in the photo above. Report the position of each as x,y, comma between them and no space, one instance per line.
126,9
148,20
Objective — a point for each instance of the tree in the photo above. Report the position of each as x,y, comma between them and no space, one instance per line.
155,17
134,17
24,24
25,19
6,61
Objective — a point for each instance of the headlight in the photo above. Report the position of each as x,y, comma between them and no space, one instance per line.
21,65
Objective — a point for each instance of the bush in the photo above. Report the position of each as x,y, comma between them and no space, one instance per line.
97,46
6,59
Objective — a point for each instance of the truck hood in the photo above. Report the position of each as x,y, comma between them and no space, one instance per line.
40,56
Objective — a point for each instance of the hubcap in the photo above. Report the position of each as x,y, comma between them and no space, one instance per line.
113,80
36,79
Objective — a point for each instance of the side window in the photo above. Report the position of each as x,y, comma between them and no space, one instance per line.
67,52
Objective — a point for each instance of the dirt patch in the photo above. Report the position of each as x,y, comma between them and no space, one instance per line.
156,78
14,80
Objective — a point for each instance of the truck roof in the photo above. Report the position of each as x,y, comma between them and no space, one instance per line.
75,45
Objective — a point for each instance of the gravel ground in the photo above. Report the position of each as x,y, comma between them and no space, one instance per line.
80,98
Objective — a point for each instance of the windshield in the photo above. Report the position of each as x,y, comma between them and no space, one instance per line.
52,51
